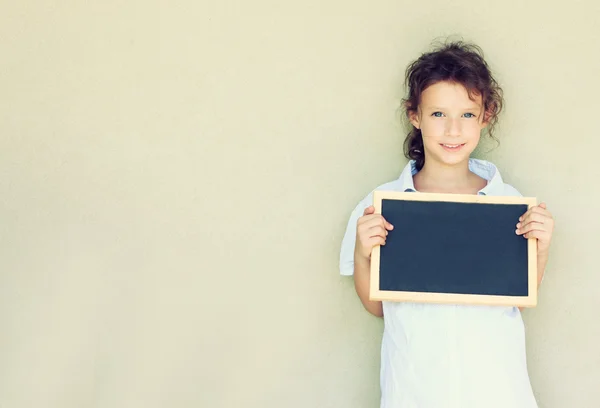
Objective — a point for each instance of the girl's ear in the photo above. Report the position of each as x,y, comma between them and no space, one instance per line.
487,116
413,116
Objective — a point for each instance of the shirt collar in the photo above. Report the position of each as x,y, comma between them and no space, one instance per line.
482,168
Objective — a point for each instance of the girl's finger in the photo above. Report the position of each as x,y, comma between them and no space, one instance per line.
540,209
531,226
369,210
377,231
540,235
388,225
533,217
376,241
544,214
525,214
367,221
376,219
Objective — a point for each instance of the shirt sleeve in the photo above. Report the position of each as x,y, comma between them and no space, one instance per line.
346,264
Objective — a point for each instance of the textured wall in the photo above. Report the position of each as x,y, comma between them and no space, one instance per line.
175,181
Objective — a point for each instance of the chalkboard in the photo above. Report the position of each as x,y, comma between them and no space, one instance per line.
454,248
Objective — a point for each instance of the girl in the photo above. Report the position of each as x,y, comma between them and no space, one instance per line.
447,356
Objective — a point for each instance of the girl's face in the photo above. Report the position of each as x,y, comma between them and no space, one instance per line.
450,123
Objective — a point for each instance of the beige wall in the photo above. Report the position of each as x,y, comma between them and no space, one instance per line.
175,180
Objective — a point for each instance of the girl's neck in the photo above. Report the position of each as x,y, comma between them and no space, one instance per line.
439,178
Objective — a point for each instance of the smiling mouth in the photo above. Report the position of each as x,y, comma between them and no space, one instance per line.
452,146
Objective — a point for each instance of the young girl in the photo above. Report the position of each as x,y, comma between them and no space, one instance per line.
434,355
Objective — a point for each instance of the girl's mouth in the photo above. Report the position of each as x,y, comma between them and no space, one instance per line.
452,147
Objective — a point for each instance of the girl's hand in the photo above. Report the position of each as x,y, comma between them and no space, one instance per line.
538,223
371,230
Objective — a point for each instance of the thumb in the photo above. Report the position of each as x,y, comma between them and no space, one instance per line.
369,210
543,205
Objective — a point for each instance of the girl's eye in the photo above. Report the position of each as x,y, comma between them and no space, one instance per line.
471,115
437,114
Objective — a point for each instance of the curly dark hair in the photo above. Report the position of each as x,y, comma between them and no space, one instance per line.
458,62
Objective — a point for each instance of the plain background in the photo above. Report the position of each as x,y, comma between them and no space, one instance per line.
176,177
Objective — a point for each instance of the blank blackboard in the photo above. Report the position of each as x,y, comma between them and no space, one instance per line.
453,248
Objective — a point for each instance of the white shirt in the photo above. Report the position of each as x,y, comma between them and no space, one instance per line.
448,356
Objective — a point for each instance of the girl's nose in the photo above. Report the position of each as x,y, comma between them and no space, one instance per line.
453,127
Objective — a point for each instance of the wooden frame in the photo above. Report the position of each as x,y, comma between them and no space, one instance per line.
450,298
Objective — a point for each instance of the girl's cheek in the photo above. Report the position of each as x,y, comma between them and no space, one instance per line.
433,129
474,129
